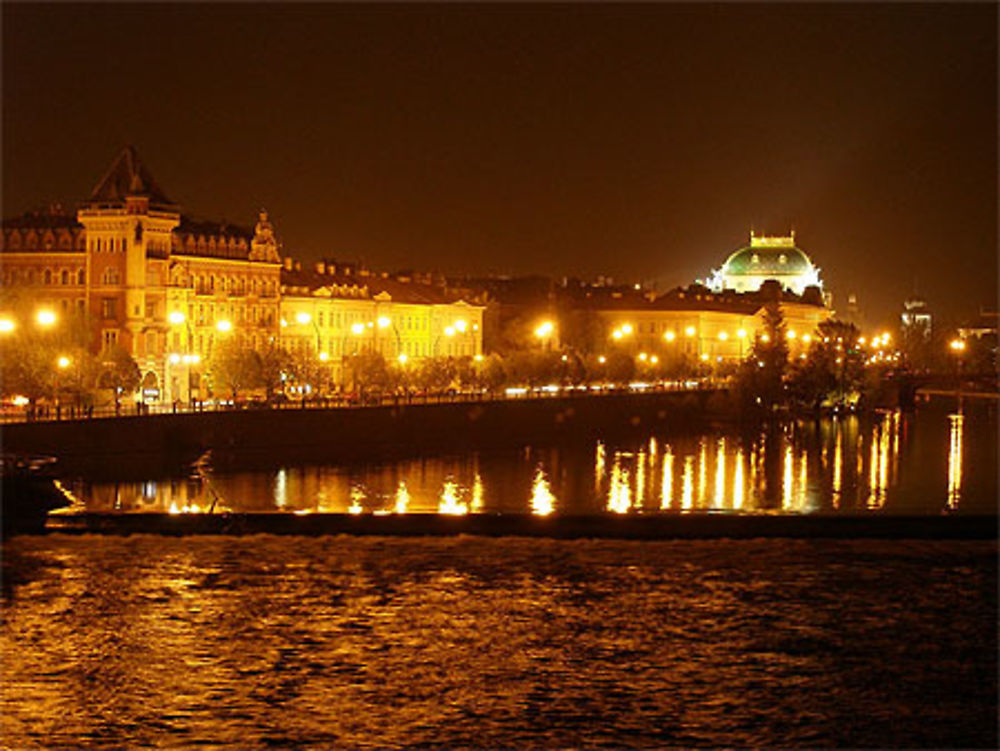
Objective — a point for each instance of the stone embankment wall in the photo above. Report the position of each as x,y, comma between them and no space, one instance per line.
354,433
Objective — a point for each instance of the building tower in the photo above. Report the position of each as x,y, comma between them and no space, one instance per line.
128,222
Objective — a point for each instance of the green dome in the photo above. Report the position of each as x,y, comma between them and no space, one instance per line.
758,260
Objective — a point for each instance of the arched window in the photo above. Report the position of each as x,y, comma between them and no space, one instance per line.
81,276
64,277
47,276
110,275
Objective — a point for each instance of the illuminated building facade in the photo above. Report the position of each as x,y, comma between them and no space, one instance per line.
146,278
700,324
168,289
337,311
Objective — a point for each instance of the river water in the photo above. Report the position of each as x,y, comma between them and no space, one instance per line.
363,642
939,459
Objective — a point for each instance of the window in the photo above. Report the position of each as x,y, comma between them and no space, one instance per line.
48,276
81,306
81,277
109,308
110,275
150,342
64,276
109,338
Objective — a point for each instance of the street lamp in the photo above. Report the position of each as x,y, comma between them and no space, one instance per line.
7,325
45,318
177,318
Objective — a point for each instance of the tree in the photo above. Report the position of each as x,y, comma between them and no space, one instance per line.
832,374
119,372
233,368
275,366
760,379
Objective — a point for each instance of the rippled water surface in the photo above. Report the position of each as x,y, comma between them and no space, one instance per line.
252,642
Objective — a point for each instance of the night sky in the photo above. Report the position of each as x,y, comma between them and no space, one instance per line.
641,142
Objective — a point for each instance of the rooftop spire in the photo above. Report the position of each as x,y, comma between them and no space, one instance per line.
128,176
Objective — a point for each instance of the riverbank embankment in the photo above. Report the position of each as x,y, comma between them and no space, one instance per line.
149,442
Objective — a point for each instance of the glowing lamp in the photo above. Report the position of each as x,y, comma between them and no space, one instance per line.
45,318
383,322
689,331
176,317
63,362
357,329
670,335
6,326
224,326
303,317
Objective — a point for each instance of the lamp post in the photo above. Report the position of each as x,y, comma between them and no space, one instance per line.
177,318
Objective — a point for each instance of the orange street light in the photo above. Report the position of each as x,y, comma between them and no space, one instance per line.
176,317
45,318
957,346
63,362
670,335
7,325
224,326
303,318
544,329
689,331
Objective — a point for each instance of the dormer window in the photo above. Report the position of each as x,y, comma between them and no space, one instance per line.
755,258
782,258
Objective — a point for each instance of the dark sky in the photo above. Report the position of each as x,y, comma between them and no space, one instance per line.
638,141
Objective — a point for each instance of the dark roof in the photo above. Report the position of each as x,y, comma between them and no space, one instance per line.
190,225
401,292
128,176
42,220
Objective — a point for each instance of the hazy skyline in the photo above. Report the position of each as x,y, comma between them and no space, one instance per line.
642,141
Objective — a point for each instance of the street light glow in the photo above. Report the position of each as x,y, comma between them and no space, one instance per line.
224,326
176,317
460,324
627,328
45,317
383,321
324,356
357,329
6,325
303,317
544,329
689,331
449,331
723,336
174,358
742,333
63,362
957,345
670,335
402,358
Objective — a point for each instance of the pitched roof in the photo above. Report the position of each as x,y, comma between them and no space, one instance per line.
128,176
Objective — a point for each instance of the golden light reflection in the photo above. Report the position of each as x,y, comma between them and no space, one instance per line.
640,479
667,491
598,468
738,481
477,493
402,498
702,469
838,460
619,493
449,503
801,495
873,474
357,495
687,491
955,460
720,473
786,482
281,488
542,500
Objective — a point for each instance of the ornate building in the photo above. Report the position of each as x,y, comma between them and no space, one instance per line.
169,288
338,311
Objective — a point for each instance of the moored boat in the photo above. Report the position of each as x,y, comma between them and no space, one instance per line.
29,493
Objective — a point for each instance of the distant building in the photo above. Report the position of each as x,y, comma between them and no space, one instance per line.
915,320
766,258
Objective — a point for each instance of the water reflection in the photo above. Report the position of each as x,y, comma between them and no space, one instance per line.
955,459
845,464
